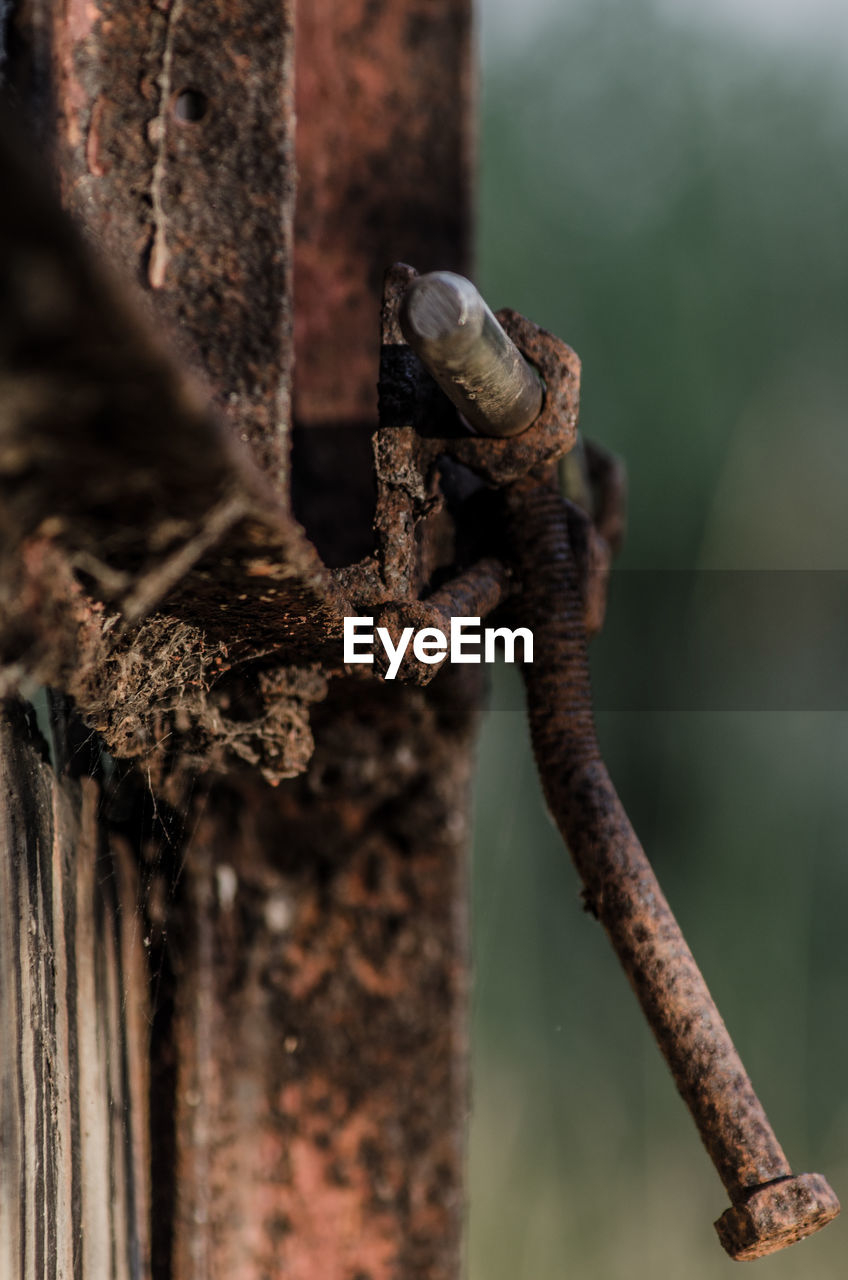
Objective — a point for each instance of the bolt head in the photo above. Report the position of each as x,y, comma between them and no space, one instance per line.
776,1215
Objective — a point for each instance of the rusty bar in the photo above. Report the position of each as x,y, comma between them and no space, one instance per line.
384,145
459,341
472,594
322,1077
477,591
174,145
771,1208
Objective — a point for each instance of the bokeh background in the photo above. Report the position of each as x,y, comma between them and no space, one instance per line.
665,185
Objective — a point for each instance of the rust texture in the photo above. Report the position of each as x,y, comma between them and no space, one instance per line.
147,565
595,483
307,941
473,594
383,99
308,1044
407,484
308,1053
771,1208
555,429
153,568
560,552
776,1216
419,428
420,433
198,211
414,412
608,487
321,1092
150,569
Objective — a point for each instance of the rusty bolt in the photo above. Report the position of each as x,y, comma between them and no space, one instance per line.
771,1207
461,344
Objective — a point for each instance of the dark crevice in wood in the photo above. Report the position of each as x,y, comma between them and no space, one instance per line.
70,919
16,916
158,831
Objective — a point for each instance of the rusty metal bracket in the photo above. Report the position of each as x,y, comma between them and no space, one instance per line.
408,397
420,431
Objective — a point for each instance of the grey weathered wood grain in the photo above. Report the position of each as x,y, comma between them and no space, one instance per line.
73,983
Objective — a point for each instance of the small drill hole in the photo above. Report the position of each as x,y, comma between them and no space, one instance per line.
190,106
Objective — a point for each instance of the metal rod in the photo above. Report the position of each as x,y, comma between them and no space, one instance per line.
771,1207
462,346
472,594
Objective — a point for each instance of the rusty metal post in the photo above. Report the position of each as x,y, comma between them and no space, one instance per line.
309,982
384,159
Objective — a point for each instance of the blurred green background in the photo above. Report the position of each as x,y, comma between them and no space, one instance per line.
668,191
